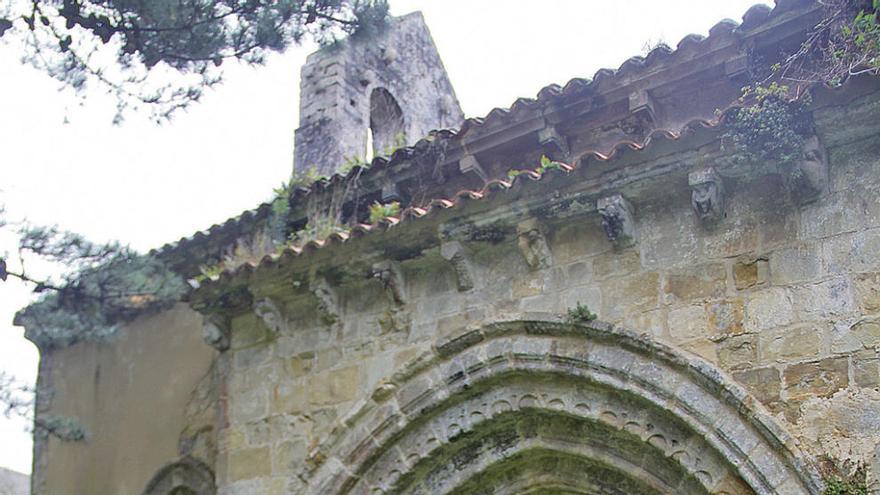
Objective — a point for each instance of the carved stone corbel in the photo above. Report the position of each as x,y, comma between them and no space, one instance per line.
457,256
469,163
808,178
707,196
268,311
389,273
641,103
390,192
216,331
533,244
617,220
328,301
554,144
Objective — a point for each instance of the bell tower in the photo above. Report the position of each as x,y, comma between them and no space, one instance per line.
365,97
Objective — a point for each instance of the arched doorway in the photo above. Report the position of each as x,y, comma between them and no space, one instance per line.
185,476
549,407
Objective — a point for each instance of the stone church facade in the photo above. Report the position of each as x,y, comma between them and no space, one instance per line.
439,349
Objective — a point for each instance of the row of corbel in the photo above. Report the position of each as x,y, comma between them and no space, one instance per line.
217,324
618,223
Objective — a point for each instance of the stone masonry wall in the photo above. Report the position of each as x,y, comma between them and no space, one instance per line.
783,298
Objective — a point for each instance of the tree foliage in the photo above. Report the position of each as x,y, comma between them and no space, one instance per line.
17,400
102,285
164,53
846,42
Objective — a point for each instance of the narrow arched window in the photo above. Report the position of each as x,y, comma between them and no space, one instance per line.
387,129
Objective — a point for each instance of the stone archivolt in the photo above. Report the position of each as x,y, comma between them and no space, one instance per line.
537,405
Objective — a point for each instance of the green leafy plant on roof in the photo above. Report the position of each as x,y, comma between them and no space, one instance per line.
381,211
545,164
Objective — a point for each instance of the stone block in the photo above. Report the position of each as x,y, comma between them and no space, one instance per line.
579,240
249,463
738,352
688,323
768,308
334,386
668,234
579,273
725,317
651,323
249,405
787,344
747,274
616,264
868,291
764,383
696,283
866,368
795,264
299,365
290,397
630,294
863,334
702,347
816,379
843,211
289,456
732,238
829,299
530,285
855,252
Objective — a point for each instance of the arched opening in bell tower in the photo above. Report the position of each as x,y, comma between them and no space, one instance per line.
387,127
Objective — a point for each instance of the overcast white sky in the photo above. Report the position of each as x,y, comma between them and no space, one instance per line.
148,185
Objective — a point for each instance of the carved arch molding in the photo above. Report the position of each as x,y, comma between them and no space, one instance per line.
529,407
185,476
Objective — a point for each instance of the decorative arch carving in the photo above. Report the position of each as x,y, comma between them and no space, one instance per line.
543,405
185,476
387,124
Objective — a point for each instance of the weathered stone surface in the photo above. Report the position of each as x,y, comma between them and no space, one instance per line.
816,379
696,283
855,252
868,291
796,264
249,463
863,334
768,308
638,292
335,386
787,344
687,323
737,352
616,264
725,317
866,368
764,383
749,273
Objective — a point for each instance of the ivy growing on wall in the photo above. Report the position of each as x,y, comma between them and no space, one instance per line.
772,127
